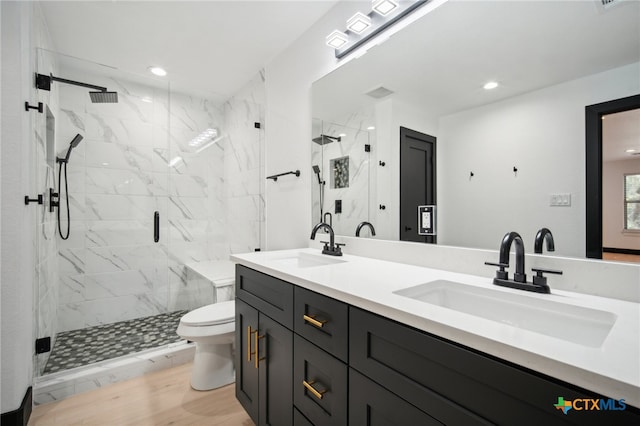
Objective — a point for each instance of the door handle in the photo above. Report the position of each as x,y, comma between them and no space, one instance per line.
156,227
317,393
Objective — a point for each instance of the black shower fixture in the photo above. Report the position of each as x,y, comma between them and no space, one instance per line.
325,139
76,140
100,96
55,196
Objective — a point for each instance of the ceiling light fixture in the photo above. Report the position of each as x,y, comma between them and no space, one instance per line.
160,72
384,7
490,85
629,151
359,23
336,39
362,27
371,128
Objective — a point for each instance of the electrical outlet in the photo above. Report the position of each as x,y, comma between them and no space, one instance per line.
560,200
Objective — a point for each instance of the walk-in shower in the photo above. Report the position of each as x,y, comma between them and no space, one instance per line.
114,267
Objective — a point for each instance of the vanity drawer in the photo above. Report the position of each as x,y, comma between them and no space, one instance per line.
267,294
323,321
319,384
299,419
371,404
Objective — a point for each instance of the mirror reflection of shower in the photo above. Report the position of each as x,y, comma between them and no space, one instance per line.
316,170
63,166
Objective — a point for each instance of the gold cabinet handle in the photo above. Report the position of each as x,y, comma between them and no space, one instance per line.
257,340
317,394
249,353
311,320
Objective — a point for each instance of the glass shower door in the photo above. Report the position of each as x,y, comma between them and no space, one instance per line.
110,269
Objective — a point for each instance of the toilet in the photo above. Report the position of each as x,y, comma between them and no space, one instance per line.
212,328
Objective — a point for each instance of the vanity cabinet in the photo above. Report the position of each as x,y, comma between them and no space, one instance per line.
323,362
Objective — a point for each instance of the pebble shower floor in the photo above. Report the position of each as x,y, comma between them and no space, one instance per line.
93,344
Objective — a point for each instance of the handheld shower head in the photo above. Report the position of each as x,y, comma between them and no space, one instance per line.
74,143
316,170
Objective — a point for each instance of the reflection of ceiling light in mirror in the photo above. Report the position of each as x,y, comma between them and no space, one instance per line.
371,128
384,7
490,85
337,39
160,72
175,161
359,23
629,151
147,99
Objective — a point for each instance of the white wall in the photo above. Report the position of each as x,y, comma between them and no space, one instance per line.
613,204
18,220
542,133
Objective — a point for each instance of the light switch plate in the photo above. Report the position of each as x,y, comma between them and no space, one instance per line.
560,200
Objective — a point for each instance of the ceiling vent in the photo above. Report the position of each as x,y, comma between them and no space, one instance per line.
379,92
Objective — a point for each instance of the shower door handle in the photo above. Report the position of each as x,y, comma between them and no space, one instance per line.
156,227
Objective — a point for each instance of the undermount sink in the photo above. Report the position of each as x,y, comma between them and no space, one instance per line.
307,260
585,326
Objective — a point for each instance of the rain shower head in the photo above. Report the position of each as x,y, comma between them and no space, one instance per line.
43,82
104,97
74,143
325,139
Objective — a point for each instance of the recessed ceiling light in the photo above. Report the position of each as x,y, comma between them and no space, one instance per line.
337,39
490,85
384,7
160,72
371,128
359,23
629,151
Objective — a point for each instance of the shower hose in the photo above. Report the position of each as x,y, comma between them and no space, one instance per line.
66,191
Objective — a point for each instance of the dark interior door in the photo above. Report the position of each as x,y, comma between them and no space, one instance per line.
417,181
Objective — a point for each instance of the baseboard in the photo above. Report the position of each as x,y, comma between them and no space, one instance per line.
19,417
621,251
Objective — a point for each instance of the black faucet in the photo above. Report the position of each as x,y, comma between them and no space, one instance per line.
542,235
330,221
519,281
362,225
505,247
329,247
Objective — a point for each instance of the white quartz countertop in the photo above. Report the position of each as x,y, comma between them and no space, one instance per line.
611,369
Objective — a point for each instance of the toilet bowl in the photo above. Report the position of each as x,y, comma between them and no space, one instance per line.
212,328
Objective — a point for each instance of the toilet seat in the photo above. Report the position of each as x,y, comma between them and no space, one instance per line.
215,314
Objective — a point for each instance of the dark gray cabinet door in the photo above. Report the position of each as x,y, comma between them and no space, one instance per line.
247,391
275,352
371,404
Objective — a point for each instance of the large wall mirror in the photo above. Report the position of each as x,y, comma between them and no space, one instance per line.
510,158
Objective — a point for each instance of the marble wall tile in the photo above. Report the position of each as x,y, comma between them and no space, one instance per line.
120,233
108,207
190,208
188,186
118,156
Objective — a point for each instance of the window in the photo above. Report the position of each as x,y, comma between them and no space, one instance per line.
632,202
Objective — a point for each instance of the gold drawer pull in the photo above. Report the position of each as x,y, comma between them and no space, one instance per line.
257,339
317,394
314,321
